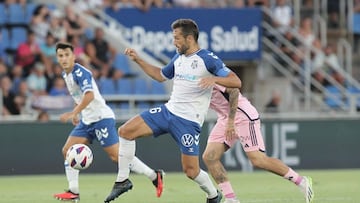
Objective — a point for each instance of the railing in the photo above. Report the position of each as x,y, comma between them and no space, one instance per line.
308,80
133,99
344,52
320,29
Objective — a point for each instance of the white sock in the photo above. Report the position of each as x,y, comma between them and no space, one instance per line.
205,184
72,176
126,155
140,167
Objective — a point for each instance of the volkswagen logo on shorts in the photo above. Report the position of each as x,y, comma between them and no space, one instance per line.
187,140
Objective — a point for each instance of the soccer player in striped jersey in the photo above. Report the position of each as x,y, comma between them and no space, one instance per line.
183,115
239,120
97,122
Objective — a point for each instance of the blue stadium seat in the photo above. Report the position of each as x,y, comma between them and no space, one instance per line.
355,92
16,14
141,87
18,35
333,97
51,6
89,33
107,86
121,62
356,23
3,16
5,38
30,7
125,86
157,87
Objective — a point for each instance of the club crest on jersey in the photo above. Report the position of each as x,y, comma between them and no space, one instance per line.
194,64
78,73
187,140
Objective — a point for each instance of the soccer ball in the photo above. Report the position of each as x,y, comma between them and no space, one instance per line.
79,156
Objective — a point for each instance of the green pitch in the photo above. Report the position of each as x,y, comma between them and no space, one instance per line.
331,186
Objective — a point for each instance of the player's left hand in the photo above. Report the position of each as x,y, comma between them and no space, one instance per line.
207,82
66,116
230,132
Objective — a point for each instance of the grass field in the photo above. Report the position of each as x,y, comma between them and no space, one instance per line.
334,186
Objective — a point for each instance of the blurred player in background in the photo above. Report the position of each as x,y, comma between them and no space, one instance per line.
183,115
97,122
239,120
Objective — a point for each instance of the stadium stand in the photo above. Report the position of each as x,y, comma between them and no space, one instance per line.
293,66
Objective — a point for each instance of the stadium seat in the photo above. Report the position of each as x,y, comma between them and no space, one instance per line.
18,35
16,14
5,38
107,86
89,33
141,87
125,86
51,6
121,62
356,23
157,88
333,97
30,7
354,91
3,16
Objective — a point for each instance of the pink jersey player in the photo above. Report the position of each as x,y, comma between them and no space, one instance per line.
238,119
247,121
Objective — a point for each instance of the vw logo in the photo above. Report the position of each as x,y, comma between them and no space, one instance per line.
187,140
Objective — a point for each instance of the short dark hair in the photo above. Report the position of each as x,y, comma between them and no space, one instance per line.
188,27
64,45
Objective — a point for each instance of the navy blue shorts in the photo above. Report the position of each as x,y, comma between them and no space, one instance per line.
103,130
186,133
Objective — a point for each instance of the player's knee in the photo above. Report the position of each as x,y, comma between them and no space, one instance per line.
191,173
124,133
257,161
64,150
208,158
114,158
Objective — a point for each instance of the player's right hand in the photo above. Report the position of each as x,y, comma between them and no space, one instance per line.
131,53
67,116
75,120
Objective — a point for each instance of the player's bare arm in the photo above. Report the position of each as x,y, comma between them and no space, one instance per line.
152,71
232,80
233,102
88,97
